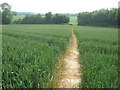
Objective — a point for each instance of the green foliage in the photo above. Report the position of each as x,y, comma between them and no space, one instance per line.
118,17
48,18
60,19
103,17
0,17
99,57
38,19
7,14
30,54
33,19
17,19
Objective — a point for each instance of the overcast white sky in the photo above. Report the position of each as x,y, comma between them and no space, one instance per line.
60,6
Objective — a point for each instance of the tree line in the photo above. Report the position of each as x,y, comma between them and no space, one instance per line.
7,16
49,18
103,17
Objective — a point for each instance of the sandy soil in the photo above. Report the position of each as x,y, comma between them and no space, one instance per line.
71,70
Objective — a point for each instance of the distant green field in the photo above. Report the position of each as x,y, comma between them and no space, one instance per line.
99,56
73,20
30,54
18,17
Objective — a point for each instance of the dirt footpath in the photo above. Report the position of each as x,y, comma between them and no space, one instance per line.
71,75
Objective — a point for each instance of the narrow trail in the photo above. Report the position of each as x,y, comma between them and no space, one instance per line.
71,74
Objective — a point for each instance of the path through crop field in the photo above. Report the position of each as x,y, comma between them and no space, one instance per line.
71,70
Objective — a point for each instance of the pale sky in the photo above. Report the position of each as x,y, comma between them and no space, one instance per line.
60,6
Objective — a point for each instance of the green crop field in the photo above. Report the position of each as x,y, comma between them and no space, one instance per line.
99,56
59,44
30,54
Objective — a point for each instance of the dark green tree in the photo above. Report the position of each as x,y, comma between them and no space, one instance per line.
33,19
7,14
60,19
48,18
0,17
15,13
103,17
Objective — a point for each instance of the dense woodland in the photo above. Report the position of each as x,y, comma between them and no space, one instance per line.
48,19
103,17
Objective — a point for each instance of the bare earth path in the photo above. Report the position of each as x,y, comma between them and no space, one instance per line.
71,71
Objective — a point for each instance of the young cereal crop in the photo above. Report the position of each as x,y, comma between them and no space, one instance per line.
30,54
99,56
